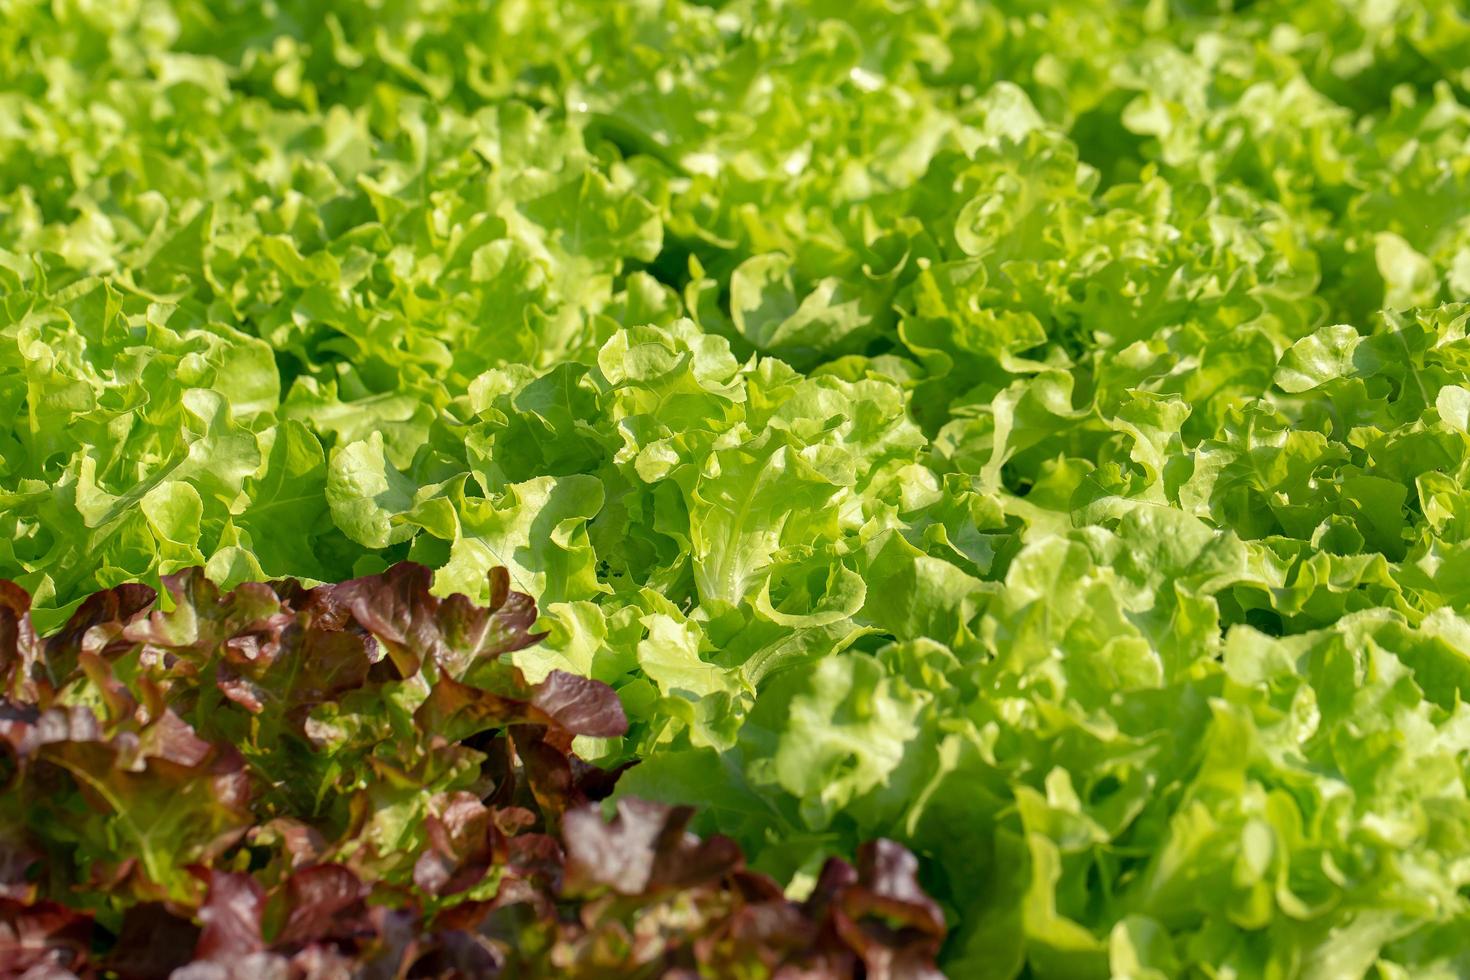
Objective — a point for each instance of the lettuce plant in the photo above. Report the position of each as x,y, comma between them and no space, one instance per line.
1034,433
350,780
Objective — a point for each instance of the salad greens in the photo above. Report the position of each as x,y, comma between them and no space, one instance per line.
349,780
1036,433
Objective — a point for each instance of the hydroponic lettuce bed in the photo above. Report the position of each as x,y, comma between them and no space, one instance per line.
1030,436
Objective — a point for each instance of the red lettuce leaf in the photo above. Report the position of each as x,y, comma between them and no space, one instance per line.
353,780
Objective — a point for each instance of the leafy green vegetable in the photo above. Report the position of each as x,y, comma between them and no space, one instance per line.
1032,432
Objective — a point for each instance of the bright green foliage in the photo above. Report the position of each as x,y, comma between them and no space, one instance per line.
1038,432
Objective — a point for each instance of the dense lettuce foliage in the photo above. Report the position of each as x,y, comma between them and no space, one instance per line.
349,780
1036,432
